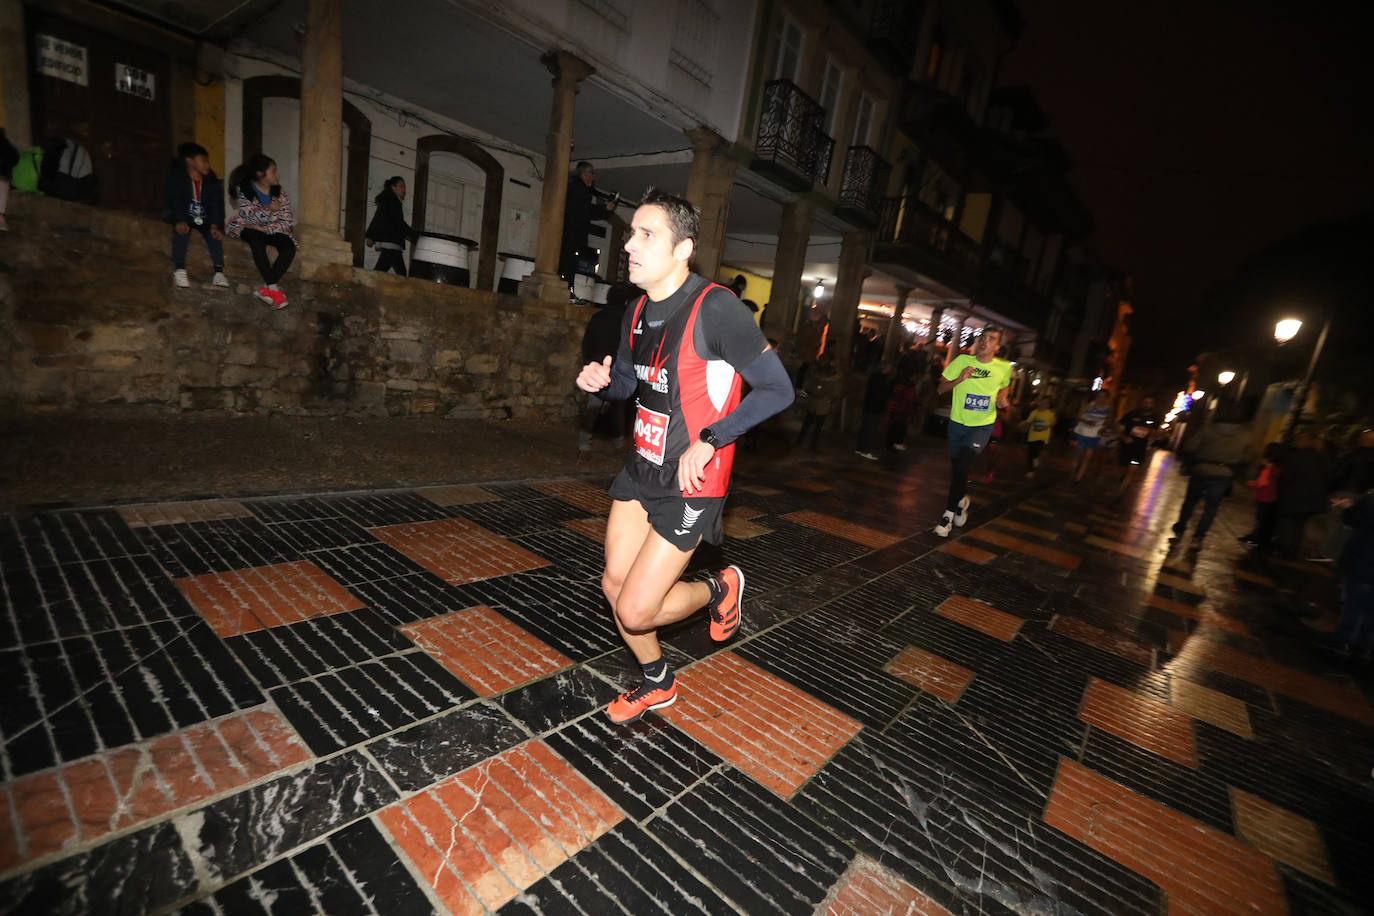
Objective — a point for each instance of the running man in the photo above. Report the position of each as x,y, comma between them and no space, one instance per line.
979,382
684,347
1138,429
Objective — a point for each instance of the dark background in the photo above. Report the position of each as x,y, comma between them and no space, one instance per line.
1225,150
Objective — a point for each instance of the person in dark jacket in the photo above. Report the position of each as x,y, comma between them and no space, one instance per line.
1355,632
1303,487
388,232
9,158
1355,470
600,340
195,202
1218,456
580,208
876,390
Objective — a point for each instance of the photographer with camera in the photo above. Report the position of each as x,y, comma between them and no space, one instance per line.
580,209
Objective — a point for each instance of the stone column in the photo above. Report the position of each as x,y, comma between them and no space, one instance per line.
849,285
321,146
568,73
794,233
894,330
710,186
14,74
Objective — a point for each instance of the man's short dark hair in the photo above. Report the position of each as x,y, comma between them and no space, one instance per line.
683,218
190,150
582,168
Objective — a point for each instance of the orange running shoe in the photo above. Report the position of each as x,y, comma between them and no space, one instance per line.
725,612
632,704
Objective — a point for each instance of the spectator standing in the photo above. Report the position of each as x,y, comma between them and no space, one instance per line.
1303,478
876,390
817,399
1265,490
388,232
264,219
579,210
901,404
1219,454
195,203
600,340
1355,632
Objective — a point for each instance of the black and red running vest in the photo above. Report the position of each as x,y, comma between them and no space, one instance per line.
680,394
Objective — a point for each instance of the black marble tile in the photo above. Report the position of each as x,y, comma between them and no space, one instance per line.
307,535
376,868
408,599
571,555
238,833
136,873
371,510
572,617
280,655
359,564
1172,784
550,702
511,518
431,751
753,848
641,766
291,509
35,539
196,548
624,871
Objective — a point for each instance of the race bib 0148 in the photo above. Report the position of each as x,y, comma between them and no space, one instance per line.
978,402
651,434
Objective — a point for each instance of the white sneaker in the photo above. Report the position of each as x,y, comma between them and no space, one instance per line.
946,524
220,280
867,456
179,279
962,516
899,446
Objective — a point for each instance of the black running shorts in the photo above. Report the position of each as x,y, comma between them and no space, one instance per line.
682,521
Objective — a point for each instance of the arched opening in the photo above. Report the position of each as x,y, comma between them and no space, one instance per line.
446,180
271,107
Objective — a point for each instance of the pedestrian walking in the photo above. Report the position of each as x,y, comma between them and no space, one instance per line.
1265,491
684,348
388,232
1039,426
263,220
1219,454
195,203
979,382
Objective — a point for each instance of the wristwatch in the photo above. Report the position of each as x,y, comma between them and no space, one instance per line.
708,436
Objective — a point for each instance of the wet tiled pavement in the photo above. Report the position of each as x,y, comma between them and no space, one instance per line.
390,702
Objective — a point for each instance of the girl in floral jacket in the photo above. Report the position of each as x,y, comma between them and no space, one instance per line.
264,218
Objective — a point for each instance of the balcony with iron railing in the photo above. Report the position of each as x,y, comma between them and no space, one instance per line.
792,145
863,186
908,223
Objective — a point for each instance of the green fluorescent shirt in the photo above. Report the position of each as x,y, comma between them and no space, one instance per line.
975,399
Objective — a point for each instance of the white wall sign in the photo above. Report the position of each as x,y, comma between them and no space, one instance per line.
61,59
135,81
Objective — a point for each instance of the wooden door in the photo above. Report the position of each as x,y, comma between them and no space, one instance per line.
126,130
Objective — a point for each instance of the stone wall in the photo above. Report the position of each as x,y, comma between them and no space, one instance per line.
89,320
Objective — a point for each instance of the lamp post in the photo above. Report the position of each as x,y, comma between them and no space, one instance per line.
1285,331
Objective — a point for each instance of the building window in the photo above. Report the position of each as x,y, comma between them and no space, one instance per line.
863,122
789,43
830,93
694,40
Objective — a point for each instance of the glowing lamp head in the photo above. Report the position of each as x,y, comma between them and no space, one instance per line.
1198,395
819,291
1226,377
1287,329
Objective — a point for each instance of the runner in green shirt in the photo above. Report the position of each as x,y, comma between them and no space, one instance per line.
979,382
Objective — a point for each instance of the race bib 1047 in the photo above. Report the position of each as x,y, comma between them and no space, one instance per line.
651,434
981,403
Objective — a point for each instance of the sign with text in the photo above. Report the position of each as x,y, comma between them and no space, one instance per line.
61,59
134,81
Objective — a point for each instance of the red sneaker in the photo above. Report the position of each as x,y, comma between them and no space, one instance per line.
725,613
278,298
632,704
265,295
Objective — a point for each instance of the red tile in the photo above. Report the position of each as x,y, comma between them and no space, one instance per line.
1202,869
868,889
9,833
485,650
931,673
1059,558
966,552
244,600
594,528
981,617
1145,722
577,493
46,822
769,729
457,550
1288,837
1105,640
859,534
482,837
1025,529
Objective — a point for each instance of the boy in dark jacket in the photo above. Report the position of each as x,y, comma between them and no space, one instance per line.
195,201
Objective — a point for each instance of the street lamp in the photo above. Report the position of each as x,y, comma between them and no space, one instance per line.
1285,331
1225,378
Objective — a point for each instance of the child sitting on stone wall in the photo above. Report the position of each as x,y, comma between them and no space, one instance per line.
264,218
195,202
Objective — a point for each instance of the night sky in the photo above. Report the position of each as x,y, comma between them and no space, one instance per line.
1202,131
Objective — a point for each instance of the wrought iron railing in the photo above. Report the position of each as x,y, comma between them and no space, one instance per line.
907,221
865,180
791,131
